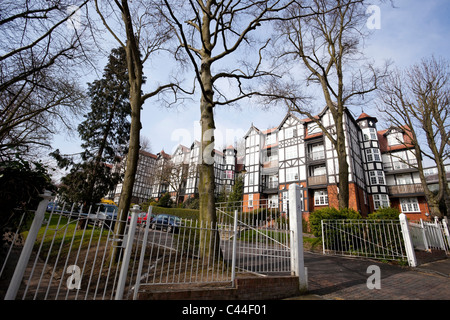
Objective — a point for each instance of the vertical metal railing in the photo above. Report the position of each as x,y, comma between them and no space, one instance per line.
67,255
377,239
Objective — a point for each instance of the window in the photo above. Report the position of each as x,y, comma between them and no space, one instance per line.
228,174
318,171
380,201
271,139
321,197
403,179
313,128
291,174
395,138
409,205
376,177
291,152
250,200
373,155
289,133
316,151
370,134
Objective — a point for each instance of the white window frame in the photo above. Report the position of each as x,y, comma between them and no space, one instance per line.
321,197
250,200
380,201
289,133
373,154
291,174
409,204
291,152
395,138
376,177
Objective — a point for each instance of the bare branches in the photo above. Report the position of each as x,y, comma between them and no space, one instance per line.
217,29
38,48
419,98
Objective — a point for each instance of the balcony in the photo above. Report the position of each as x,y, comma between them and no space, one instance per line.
316,155
405,189
317,180
399,166
270,187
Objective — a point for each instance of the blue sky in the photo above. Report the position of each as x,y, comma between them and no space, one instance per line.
410,31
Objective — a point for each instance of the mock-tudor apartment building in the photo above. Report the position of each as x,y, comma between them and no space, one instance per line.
177,174
296,151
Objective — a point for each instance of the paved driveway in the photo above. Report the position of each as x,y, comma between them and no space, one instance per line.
331,277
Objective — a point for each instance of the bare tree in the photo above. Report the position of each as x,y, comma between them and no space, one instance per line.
174,175
210,33
419,97
325,37
146,144
40,52
140,31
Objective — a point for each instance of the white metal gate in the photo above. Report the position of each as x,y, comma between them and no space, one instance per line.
376,239
68,253
430,235
67,256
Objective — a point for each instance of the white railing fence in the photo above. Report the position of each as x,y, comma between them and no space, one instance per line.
428,235
67,256
75,254
384,239
376,239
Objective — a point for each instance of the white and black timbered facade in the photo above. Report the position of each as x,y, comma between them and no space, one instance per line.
298,152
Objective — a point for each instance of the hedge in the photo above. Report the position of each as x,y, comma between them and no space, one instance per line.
317,216
179,212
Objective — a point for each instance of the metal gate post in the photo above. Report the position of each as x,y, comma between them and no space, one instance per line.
408,242
126,257
233,257
16,279
295,225
141,259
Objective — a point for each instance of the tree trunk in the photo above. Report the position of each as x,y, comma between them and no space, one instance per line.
134,66
343,194
206,186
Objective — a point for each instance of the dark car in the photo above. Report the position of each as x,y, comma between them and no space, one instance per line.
53,206
107,213
110,210
167,222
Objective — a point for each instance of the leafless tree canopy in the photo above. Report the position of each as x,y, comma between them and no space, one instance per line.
42,46
419,97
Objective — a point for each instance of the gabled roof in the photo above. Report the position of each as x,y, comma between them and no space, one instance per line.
164,155
184,149
365,116
382,139
250,130
287,116
148,154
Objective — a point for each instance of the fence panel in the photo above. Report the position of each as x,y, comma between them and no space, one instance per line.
263,236
376,239
179,256
71,257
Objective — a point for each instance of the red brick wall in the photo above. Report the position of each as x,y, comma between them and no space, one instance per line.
423,206
255,288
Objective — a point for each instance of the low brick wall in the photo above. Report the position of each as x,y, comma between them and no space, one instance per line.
260,288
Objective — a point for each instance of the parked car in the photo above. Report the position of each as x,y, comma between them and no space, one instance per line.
107,213
53,206
167,222
109,210
142,218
